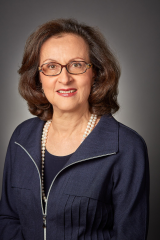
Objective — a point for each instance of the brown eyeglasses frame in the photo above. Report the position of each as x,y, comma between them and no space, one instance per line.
88,65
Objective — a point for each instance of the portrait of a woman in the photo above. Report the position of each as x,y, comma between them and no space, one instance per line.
73,171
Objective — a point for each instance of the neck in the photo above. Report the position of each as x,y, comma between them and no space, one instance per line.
67,124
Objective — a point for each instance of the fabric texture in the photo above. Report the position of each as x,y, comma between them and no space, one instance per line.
52,165
102,192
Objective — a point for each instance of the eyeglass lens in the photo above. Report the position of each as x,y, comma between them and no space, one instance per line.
53,68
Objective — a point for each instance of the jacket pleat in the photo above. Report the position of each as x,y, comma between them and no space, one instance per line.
75,217
60,217
94,224
83,217
90,217
68,218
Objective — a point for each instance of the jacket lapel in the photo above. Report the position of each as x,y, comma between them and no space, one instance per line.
30,139
103,140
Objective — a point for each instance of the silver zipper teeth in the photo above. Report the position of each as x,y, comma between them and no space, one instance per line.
55,178
40,183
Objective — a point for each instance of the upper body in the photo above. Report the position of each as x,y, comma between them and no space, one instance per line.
69,78
102,191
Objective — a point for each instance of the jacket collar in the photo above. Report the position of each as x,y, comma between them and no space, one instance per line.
103,140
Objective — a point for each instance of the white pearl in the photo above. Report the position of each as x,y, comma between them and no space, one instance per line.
90,126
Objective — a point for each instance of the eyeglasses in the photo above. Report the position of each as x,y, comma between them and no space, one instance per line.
54,69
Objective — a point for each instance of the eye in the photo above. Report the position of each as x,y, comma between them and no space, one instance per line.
77,64
52,66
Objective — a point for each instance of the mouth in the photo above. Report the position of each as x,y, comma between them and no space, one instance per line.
67,92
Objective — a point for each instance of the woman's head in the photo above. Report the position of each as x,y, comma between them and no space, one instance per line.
103,92
66,74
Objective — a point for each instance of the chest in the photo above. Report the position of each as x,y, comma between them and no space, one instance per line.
81,190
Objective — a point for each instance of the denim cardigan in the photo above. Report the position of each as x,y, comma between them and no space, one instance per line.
101,193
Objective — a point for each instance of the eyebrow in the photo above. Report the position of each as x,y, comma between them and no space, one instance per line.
53,60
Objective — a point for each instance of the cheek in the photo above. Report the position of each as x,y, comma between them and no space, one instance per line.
86,87
42,78
47,83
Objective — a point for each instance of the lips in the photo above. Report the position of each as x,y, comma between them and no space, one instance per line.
69,92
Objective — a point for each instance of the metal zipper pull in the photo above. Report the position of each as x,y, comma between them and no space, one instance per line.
44,221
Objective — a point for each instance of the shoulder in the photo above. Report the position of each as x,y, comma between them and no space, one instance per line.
28,123
132,155
132,148
27,127
130,138
117,131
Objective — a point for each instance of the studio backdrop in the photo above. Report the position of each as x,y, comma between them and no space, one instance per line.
132,29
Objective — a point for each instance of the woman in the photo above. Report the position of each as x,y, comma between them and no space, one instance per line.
88,177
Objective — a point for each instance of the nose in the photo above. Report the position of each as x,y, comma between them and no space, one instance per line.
64,76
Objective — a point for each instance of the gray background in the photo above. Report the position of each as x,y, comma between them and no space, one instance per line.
132,29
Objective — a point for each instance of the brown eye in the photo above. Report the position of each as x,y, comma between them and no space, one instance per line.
76,65
52,66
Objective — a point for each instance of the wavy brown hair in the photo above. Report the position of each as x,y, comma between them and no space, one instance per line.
103,96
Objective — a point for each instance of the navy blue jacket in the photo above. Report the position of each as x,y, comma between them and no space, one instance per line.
101,193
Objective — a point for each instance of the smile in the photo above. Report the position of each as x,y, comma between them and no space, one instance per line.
67,92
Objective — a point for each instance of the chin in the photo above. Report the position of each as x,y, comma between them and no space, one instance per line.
65,108
69,108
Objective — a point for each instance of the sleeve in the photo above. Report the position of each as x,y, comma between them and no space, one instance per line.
10,227
131,193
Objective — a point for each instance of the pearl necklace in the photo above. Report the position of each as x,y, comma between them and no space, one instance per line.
89,128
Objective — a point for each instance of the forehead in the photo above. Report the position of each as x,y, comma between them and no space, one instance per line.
64,47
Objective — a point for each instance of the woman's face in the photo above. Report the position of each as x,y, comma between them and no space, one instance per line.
64,49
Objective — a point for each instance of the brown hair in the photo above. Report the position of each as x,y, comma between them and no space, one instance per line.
103,96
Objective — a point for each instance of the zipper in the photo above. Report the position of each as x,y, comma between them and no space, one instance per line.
44,225
44,213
